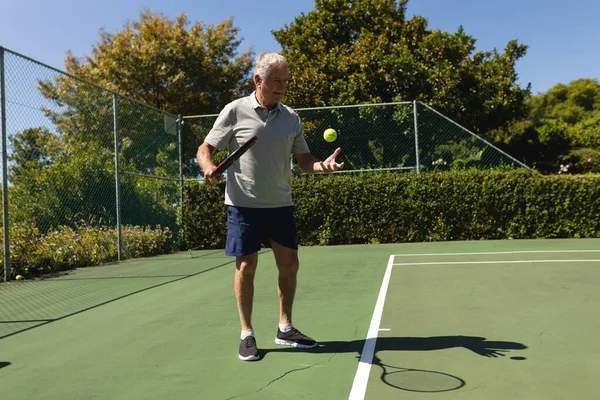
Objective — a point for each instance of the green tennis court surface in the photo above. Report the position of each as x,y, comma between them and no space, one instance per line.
498,320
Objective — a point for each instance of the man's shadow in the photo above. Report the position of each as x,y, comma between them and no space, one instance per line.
445,382
477,345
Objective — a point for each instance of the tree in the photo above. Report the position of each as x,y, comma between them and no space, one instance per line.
562,127
165,63
366,51
32,150
79,189
162,63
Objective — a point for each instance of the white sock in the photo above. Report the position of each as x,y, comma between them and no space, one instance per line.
285,327
247,333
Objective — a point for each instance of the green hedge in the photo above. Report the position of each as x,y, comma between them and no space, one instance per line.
34,253
204,221
439,206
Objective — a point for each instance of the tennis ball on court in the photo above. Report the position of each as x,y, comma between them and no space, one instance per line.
19,277
330,135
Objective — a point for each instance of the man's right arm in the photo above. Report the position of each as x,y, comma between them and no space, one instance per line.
204,157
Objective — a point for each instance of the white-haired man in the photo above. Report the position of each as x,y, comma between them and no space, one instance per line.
258,193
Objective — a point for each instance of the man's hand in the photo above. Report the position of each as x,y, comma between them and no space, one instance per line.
204,157
330,165
208,179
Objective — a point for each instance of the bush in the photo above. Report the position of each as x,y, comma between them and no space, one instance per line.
204,222
581,161
440,206
35,254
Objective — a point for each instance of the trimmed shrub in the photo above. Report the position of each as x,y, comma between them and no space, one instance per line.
437,206
34,254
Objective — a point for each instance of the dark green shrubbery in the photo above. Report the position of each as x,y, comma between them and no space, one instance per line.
204,222
440,206
33,253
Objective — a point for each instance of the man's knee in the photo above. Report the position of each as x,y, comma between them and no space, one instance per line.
290,266
247,265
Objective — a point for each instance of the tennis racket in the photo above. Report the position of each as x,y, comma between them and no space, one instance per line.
233,157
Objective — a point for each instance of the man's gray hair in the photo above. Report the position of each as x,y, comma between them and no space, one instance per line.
265,61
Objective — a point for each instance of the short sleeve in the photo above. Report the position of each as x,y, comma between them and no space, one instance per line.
300,146
222,130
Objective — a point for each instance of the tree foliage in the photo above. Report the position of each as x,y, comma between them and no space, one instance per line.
172,65
32,150
366,51
562,127
168,64
577,105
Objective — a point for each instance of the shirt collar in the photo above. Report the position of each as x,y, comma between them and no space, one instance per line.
256,104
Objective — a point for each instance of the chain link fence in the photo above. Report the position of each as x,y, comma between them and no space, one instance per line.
76,155
376,137
61,174
149,173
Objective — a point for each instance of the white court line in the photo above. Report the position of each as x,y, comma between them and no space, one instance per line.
359,386
494,262
497,252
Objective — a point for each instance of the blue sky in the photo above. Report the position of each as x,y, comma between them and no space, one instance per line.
563,37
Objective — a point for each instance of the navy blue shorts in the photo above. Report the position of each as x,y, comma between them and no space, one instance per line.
248,228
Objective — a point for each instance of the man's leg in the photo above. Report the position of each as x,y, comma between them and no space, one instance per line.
243,242
288,265
243,286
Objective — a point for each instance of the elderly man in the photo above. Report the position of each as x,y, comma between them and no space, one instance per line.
259,195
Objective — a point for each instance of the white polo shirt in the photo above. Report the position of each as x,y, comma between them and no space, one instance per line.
261,177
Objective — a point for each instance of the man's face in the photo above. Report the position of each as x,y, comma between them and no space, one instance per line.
272,88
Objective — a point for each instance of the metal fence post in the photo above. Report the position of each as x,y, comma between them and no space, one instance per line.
117,176
180,139
4,169
416,135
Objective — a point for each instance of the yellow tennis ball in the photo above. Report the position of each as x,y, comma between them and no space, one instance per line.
330,135
19,277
